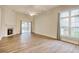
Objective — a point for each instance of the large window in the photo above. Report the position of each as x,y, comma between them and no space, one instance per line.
69,23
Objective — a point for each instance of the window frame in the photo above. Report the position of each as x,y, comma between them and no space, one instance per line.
69,29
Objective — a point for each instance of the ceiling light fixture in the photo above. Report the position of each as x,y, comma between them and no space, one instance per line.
32,14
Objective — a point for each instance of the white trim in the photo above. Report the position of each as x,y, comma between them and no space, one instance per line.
47,35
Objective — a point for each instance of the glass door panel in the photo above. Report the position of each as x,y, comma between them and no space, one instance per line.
75,27
64,27
25,27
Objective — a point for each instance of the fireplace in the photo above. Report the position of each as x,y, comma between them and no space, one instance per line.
10,31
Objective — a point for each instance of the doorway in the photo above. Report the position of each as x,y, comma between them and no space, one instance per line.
25,27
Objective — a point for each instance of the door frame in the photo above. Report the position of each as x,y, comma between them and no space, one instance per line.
58,28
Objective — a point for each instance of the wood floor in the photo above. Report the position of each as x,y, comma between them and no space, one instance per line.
32,43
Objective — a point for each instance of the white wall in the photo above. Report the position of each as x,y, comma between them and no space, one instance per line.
46,23
8,20
11,19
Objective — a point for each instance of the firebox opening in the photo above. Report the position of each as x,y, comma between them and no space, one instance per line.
9,31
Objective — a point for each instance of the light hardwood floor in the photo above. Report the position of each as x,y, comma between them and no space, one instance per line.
33,43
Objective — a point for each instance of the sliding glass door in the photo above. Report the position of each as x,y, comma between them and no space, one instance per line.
69,24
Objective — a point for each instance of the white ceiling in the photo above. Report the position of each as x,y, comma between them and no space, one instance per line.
31,9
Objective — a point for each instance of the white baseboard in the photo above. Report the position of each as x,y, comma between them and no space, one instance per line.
46,35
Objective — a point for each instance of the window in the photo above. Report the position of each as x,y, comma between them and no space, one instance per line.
64,14
75,12
69,23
